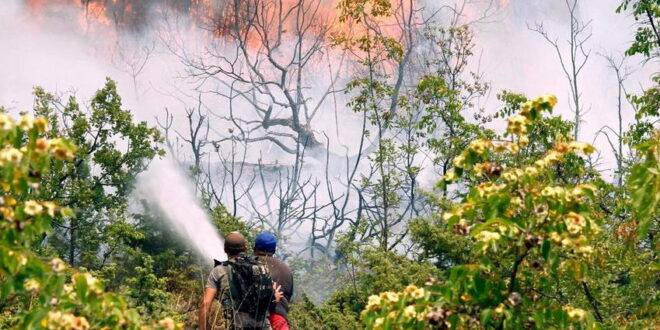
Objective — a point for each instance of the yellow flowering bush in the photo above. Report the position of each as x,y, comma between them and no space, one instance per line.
401,309
530,230
45,294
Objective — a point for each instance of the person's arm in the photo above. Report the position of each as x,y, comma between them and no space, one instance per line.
207,300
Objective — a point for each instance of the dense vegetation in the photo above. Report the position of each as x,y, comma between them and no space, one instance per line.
521,231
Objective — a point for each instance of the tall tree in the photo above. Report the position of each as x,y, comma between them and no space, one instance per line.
112,150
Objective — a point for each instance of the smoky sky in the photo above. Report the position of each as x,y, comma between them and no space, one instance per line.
53,49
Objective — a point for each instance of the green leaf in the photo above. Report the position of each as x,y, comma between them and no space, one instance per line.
545,249
485,316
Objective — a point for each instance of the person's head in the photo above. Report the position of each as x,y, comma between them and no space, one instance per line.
265,244
235,244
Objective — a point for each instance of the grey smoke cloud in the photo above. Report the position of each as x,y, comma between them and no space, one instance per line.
56,54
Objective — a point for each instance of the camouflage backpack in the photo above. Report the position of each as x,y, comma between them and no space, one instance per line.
250,288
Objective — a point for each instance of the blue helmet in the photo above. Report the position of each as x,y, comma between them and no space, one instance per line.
266,242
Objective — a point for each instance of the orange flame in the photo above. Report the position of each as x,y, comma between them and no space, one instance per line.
105,19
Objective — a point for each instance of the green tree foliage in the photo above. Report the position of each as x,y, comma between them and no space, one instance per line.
647,37
644,185
45,294
540,251
365,271
112,150
530,230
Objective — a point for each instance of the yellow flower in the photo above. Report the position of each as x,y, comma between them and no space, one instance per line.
41,124
486,189
409,289
58,265
418,294
58,320
479,146
573,228
378,323
575,314
11,155
523,141
589,186
68,290
561,147
479,169
513,147
517,202
531,171
553,192
573,194
510,176
60,150
585,250
501,147
6,123
446,216
552,156
541,163
466,207
550,99
459,161
487,236
8,213
32,285
67,319
450,176
92,282
53,317
390,296
582,147
26,122
414,291
50,208
555,237
574,222
409,312
518,125
63,154
42,145
167,323
526,108
374,302
32,208
421,316
22,260
80,323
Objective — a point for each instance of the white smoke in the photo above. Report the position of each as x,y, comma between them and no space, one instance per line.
166,187
52,53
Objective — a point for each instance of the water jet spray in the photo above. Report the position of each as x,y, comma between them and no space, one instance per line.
165,186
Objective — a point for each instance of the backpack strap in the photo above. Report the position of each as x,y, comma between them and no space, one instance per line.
233,290
229,305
